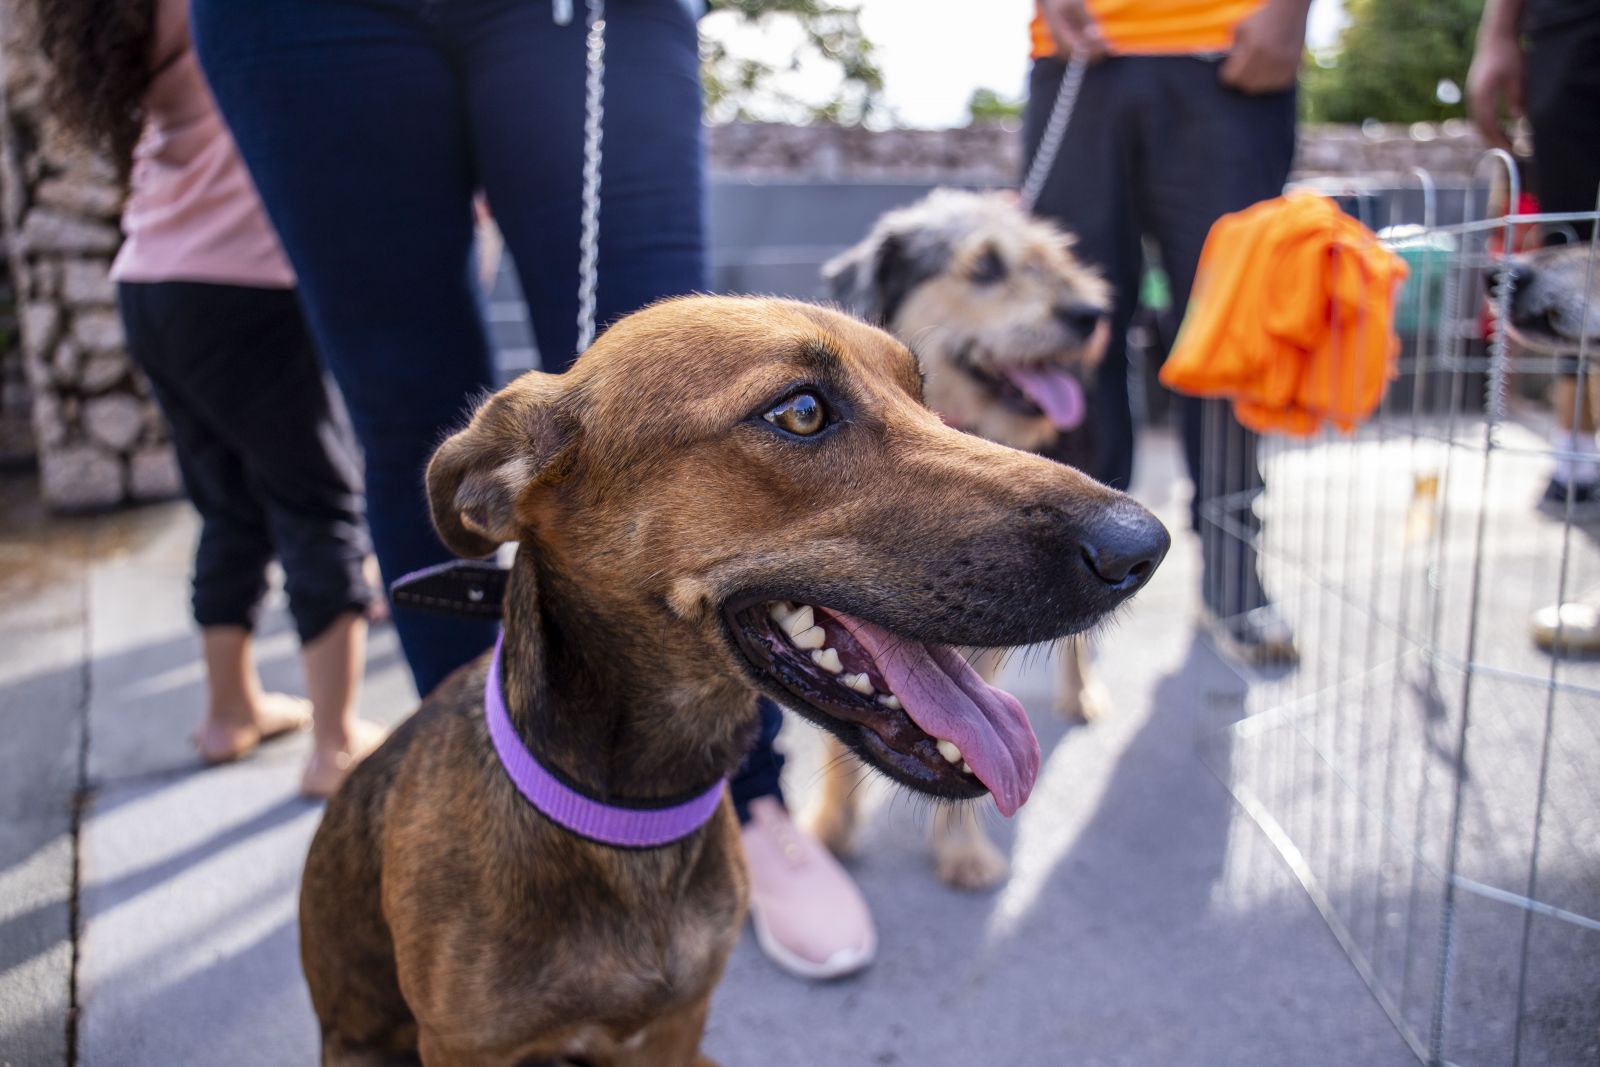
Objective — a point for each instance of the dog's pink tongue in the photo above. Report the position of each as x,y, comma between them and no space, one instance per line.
948,699
1057,392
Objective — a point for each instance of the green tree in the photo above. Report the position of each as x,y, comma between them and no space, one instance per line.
986,105
1395,62
816,33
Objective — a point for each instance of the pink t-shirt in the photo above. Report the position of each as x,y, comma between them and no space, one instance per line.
192,212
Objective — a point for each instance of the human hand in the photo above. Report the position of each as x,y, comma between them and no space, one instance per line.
1074,29
1495,79
1267,46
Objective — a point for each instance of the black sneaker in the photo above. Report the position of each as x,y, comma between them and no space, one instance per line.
1554,501
1259,637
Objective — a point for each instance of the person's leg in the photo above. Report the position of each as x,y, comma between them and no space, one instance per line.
233,551
652,224
1562,98
240,713
1211,151
762,771
652,197
1087,194
652,230
809,916
351,120
1577,466
274,406
333,662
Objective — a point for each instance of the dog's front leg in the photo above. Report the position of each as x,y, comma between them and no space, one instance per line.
1079,697
831,818
963,855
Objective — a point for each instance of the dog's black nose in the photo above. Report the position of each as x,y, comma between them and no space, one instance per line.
1125,545
1508,272
1079,319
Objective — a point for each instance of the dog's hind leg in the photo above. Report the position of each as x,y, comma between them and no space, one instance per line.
831,818
963,855
1079,696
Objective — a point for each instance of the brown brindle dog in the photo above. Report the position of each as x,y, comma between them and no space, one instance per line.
711,470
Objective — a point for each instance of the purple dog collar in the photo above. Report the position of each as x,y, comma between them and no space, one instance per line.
606,824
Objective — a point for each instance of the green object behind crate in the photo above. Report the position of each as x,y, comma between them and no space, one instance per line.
1428,258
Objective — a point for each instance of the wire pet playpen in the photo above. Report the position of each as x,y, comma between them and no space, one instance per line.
1430,775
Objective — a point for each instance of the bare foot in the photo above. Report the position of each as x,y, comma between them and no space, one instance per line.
327,769
274,715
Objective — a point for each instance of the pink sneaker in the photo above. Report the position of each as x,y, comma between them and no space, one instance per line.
810,918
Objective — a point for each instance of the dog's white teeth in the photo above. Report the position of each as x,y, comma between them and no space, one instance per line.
966,767
809,639
890,701
859,682
799,621
780,611
949,751
828,660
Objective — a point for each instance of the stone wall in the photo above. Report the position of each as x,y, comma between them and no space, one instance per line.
100,439
990,154
16,410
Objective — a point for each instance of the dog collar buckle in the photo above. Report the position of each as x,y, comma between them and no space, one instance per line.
469,587
605,823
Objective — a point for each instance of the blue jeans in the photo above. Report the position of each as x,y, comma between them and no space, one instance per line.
368,125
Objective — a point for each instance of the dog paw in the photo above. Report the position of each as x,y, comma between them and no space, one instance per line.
1086,704
971,865
832,824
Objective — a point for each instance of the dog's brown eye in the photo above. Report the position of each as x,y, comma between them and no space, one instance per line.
801,414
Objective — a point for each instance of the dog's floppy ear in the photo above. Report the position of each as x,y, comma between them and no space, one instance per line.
874,277
523,437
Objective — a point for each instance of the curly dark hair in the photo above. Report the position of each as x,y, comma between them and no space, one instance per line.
98,54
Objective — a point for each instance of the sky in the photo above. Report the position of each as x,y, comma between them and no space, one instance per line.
993,47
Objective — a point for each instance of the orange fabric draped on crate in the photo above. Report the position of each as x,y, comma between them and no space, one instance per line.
1291,317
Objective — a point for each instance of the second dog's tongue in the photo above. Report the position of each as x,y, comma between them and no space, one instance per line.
1057,393
947,698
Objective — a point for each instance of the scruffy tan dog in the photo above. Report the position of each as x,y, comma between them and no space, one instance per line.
1009,327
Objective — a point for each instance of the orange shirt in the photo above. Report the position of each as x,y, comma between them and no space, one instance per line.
1291,317
1144,27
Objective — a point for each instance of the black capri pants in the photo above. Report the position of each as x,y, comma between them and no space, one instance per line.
264,445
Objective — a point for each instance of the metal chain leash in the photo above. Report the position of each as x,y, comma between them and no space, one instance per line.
1044,157
593,114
